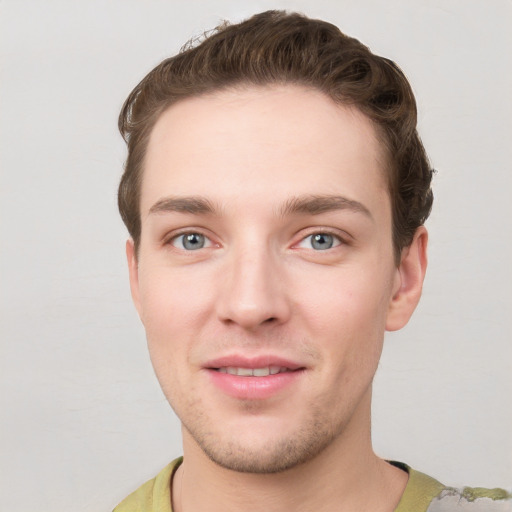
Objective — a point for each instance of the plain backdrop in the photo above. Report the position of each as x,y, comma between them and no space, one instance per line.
83,420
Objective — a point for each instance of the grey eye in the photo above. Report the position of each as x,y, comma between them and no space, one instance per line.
322,241
190,241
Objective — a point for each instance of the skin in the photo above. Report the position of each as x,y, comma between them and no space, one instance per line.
261,165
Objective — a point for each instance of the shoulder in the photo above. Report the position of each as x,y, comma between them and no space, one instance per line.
154,495
425,494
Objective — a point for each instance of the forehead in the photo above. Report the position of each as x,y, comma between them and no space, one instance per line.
266,142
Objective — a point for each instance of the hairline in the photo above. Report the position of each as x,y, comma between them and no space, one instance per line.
384,156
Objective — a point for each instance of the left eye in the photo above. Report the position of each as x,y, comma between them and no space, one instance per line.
191,241
320,241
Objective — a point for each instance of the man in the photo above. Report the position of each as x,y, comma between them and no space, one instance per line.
275,192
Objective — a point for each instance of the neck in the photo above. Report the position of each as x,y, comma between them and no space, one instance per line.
346,476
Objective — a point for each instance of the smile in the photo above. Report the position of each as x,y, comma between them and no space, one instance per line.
253,372
255,381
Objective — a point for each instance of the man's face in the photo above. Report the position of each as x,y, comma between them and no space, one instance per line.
265,277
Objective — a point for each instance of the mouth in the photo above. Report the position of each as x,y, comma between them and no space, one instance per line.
257,378
264,371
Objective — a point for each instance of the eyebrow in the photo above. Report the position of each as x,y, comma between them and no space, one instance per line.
309,204
192,204
318,204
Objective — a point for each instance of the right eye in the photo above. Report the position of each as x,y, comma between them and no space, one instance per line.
191,241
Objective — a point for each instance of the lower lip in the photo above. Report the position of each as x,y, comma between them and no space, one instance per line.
253,388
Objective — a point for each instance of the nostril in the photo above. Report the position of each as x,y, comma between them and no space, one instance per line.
270,320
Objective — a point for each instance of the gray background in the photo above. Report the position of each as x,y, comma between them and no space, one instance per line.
83,421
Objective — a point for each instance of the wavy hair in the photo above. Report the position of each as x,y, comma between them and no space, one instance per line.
277,47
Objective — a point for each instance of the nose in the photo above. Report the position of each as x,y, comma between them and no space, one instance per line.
253,292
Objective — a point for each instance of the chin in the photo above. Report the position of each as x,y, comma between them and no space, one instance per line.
261,455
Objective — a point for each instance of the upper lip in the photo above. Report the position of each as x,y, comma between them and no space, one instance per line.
239,361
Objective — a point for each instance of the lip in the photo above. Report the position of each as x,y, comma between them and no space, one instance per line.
251,362
253,388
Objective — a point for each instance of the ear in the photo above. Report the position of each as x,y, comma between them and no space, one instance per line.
133,269
408,281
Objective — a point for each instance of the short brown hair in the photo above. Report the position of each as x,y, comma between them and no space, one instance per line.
276,47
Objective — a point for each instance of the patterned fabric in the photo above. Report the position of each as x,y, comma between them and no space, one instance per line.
471,500
422,494
425,494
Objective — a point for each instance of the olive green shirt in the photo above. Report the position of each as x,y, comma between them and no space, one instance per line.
422,494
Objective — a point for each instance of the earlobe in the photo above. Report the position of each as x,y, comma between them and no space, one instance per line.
409,281
133,269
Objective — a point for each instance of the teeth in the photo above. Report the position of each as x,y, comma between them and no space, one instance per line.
261,372
253,372
244,372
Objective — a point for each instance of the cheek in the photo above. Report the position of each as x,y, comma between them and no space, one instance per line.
172,299
347,311
350,298
166,322
164,305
